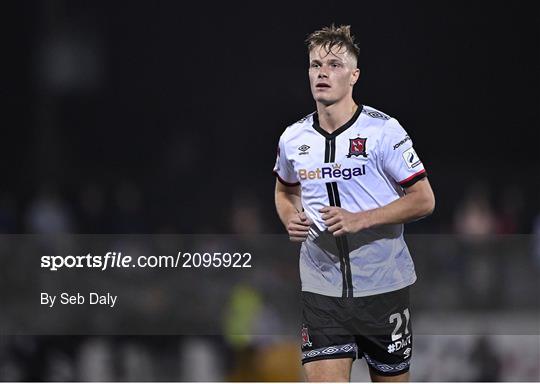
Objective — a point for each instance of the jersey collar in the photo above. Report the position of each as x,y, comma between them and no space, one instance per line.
341,129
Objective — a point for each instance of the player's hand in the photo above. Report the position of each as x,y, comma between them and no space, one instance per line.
339,221
298,227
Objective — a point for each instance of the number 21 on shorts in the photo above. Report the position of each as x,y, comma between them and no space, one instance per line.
396,317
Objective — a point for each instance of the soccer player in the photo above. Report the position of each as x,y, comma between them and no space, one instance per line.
347,179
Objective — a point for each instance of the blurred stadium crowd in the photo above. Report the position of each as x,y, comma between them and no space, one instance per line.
126,208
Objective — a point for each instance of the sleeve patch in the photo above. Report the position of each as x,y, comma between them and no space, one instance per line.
411,158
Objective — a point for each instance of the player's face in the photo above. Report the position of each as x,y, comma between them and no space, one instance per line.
332,75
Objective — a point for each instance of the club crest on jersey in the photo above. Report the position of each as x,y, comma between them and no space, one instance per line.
305,338
357,147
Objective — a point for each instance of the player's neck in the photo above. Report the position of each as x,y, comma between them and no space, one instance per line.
333,116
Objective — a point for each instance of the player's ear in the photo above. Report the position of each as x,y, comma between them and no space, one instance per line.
355,76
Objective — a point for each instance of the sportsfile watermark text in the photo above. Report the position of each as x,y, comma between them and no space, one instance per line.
118,260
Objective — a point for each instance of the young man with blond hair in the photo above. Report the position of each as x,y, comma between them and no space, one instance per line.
347,179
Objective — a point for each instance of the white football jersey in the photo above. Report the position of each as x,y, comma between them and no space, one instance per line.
365,164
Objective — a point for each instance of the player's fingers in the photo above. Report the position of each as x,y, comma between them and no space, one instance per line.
298,231
304,218
298,220
330,211
297,227
329,214
339,232
331,221
325,209
335,227
298,223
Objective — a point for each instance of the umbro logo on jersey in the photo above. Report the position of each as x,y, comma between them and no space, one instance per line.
357,147
376,114
303,149
334,172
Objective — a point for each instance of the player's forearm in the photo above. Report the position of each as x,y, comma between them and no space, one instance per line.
410,207
287,205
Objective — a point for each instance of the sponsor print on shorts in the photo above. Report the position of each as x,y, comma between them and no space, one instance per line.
399,345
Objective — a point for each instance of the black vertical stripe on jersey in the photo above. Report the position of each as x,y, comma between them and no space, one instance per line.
341,241
336,194
342,265
327,151
330,194
330,150
343,248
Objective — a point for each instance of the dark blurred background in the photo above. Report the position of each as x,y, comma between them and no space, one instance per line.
152,116
164,116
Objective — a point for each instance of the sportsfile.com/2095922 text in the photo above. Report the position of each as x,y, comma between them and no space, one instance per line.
118,260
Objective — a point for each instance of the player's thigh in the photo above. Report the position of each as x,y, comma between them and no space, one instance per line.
333,370
328,348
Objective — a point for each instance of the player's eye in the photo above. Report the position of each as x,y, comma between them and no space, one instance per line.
314,65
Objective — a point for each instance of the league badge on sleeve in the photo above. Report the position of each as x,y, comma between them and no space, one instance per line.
411,158
357,147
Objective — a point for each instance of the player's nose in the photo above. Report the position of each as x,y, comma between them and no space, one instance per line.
322,74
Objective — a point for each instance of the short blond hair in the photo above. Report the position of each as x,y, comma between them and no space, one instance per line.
330,37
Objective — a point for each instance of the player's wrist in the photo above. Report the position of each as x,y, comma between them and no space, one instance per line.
366,219
288,217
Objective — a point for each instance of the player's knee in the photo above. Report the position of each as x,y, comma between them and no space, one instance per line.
327,377
333,370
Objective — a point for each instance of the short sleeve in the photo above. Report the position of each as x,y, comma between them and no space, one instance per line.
399,158
283,169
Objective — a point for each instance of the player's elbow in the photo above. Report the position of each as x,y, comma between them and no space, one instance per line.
427,203
431,206
422,199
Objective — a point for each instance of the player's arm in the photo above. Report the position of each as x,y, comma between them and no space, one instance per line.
418,202
289,209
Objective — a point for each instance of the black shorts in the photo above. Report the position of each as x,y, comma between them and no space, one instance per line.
376,327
